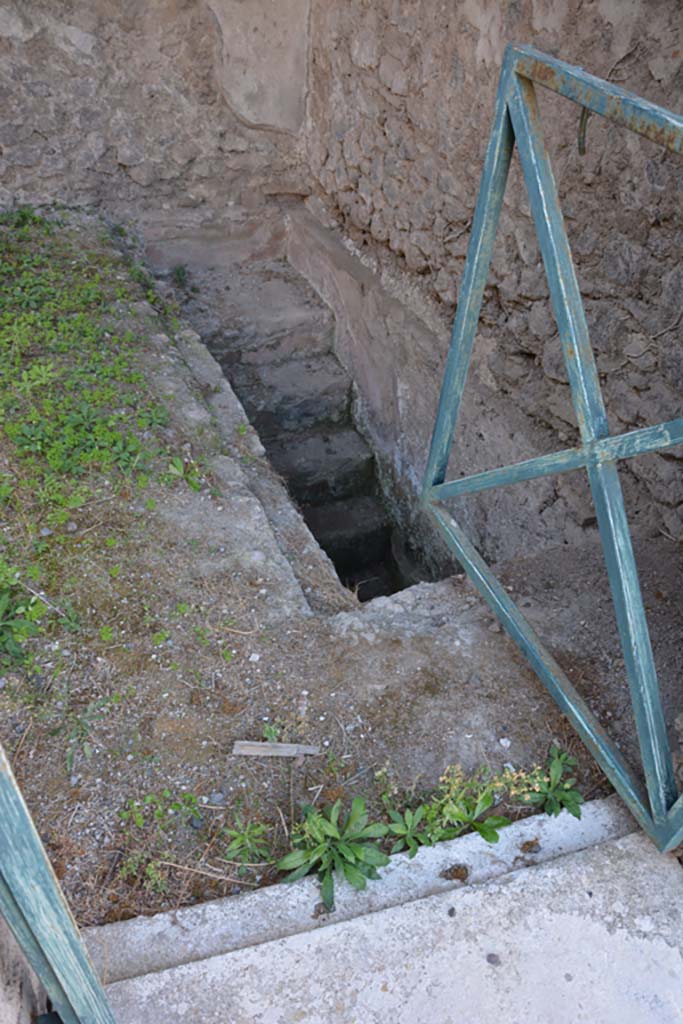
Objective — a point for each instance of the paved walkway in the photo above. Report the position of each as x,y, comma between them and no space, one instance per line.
595,936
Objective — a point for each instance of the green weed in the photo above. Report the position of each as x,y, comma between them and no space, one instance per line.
406,831
326,843
551,791
181,469
180,275
18,622
248,843
160,810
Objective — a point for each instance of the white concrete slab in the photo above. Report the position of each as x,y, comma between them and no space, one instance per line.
595,936
141,945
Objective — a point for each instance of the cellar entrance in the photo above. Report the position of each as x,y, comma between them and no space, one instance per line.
274,339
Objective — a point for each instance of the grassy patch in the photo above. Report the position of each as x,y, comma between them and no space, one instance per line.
79,426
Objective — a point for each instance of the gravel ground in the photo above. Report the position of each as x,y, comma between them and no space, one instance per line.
206,615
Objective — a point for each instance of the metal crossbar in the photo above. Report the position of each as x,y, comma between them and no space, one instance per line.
658,808
30,897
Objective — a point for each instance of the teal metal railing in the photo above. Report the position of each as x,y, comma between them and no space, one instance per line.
32,903
658,807
30,897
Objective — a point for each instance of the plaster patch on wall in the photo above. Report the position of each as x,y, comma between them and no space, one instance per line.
22,26
264,59
487,18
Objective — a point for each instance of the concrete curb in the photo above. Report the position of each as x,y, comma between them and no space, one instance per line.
145,945
592,936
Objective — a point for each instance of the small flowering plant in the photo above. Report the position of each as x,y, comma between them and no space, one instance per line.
462,803
555,790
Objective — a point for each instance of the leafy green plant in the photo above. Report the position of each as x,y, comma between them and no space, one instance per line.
467,813
155,878
248,842
326,843
141,276
271,732
462,804
160,810
71,620
180,275
405,827
552,791
79,726
17,624
6,488
22,216
179,469
139,867
36,376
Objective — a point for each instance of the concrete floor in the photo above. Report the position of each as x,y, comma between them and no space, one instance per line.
593,936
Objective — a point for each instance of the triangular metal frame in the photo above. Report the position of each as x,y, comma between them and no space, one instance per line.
660,809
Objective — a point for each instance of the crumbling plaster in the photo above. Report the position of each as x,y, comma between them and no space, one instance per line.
207,111
176,105
401,102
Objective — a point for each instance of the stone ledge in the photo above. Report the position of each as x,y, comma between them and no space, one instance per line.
145,945
591,936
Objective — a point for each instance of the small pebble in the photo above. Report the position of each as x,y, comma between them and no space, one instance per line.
71,527
493,958
254,657
216,797
504,742
46,532
196,822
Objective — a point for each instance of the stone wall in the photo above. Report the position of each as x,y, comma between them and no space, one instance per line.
199,112
401,99
172,105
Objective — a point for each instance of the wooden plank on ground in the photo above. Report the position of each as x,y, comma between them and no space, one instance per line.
248,749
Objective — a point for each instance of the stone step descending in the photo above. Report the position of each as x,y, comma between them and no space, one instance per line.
355,532
251,345
274,339
295,395
324,465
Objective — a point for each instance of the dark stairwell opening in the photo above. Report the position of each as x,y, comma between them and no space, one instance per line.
274,339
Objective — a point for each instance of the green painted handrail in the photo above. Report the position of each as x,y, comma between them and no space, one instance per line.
659,809
34,907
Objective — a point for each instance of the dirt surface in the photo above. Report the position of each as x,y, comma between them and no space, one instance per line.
565,594
197,627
